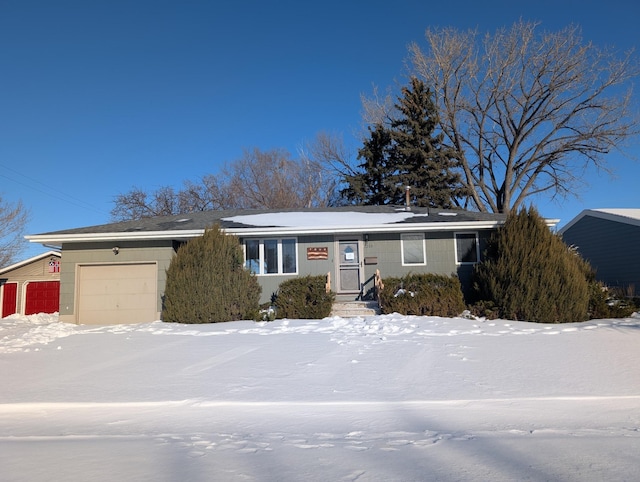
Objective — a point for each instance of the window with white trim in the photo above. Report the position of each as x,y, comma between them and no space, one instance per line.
413,251
271,255
467,248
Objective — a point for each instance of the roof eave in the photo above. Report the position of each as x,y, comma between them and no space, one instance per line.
105,237
30,260
259,231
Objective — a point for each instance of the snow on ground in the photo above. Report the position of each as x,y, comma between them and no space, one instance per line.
384,398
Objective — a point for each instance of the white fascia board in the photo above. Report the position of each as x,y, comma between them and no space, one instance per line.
615,215
30,260
626,216
582,214
551,223
128,236
263,231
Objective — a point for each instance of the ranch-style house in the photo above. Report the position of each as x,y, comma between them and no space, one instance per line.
115,273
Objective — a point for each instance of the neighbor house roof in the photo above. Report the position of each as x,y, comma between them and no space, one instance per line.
348,219
30,260
621,215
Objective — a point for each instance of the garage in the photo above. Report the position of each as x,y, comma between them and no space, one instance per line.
9,299
42,297
31,286
117,293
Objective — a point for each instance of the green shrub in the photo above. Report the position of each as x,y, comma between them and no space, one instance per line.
598,307
485,309
529,274
207,282
304,298
422,294
609,303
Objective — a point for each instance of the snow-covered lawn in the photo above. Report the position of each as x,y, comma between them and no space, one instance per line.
385,398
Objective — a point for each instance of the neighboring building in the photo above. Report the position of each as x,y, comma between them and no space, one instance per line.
610,240
31,286
115,273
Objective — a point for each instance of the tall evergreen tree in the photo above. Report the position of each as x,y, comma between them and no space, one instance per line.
422,161
407,152
369,187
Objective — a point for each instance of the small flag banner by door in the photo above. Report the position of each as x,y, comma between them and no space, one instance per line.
317,253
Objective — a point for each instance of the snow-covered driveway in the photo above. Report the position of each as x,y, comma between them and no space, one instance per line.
381,398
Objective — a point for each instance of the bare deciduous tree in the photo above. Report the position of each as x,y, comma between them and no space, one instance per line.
259,179
329,150
270,179
137,204
209,193
13,220
528,110
334,161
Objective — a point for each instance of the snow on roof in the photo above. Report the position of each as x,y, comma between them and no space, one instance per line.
625,213
345,219
327,219
620,215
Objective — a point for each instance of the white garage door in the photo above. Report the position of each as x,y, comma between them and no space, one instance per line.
117,293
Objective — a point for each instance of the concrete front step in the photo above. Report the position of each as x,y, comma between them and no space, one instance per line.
350,309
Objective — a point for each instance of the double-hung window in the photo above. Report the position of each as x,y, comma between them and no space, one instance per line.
467,248
412,247
271,255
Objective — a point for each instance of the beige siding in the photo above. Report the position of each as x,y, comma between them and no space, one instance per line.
75,255
38,270
117,293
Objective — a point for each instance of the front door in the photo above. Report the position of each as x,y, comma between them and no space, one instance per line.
349,265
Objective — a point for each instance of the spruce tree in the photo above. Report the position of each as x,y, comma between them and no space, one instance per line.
528,273
407,152
208,283
370,186
422,161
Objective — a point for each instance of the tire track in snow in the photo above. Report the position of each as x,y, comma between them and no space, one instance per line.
219,359
386,404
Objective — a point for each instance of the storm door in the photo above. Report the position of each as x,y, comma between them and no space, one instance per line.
349,266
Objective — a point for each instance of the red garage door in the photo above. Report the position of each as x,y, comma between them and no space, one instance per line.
9,299
42,297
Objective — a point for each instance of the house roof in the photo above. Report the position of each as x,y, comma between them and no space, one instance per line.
620,215
25,262
348,219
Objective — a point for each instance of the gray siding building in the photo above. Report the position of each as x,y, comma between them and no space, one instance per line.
610,240
115,273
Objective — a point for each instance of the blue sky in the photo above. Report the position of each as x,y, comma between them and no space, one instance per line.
99,96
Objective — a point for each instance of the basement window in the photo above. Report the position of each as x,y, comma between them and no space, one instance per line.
271,256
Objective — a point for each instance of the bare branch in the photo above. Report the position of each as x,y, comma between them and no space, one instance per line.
13,220
527,108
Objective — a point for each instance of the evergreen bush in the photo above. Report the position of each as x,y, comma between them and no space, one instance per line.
422,294
605,302
207,282
304,298
528,273
609,303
